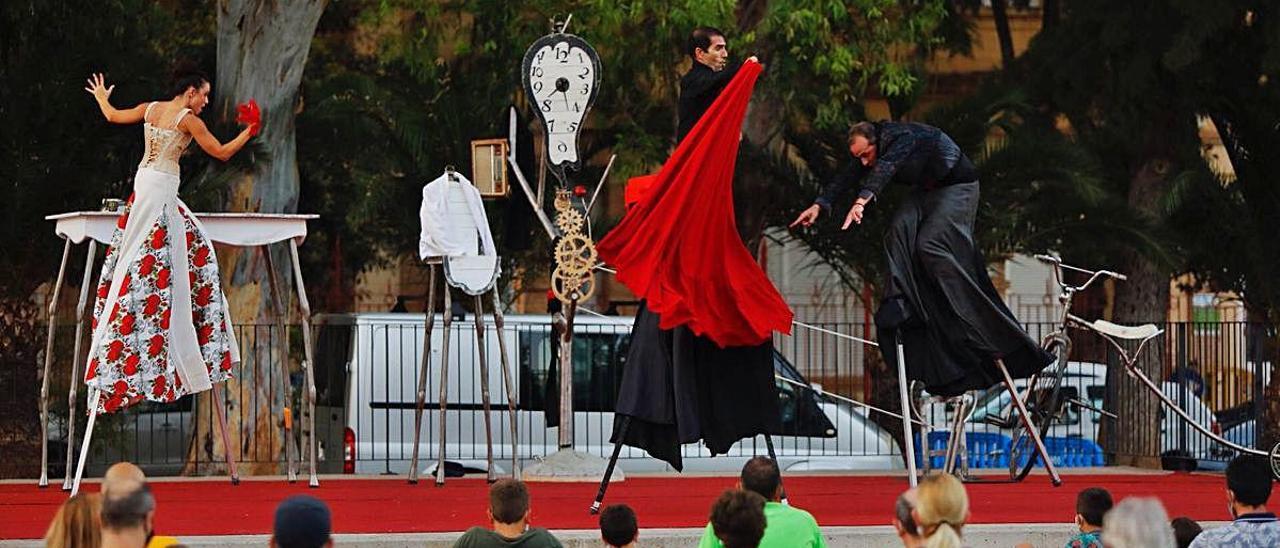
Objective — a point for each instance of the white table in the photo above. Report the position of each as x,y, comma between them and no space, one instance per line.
236,229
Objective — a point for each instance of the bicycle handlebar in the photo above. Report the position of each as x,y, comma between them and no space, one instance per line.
1093,274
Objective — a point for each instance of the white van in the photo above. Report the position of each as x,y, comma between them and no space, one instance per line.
368,366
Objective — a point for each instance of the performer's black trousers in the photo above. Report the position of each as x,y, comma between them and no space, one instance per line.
939,295
678,388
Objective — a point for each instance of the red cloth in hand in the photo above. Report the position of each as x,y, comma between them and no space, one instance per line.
678,245
250,115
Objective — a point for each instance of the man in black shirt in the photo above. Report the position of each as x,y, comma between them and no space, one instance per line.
679,387
939,297
707,77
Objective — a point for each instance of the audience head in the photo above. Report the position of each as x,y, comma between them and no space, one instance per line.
1091,505
1185,530
1248,484
618,525
76,525
903,522
942,506
760,475
1138,522
127,508
120,472
508,501
737,518
302,521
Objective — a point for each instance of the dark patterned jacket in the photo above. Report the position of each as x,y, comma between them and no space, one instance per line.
907,152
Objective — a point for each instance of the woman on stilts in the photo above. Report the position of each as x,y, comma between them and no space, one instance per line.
161,325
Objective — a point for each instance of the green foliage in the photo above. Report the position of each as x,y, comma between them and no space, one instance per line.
417,80
57,153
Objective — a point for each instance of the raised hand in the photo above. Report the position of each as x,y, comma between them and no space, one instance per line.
854,216
249,114
98,88
807,217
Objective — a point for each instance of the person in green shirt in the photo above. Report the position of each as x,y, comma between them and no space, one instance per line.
509,515
785,526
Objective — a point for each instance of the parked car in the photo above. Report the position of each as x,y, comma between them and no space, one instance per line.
1181,445
368,365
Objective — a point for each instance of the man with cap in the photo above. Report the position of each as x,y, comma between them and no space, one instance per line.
302,521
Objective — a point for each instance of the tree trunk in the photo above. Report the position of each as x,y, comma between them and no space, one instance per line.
262,50
1134,437
1000,11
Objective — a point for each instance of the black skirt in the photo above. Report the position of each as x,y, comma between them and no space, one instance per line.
941,302
679,388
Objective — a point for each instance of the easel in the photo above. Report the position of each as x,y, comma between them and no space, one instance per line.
474,275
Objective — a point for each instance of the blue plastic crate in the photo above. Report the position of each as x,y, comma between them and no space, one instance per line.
984,449
1068,452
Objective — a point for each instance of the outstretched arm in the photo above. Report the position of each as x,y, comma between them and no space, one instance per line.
102,93
222,151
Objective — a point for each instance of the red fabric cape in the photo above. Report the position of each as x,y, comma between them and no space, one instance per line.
678,246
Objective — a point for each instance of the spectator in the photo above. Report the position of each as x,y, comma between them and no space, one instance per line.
76,525
302,521
618,526
908,533
128,510
942,507
125,471
787,527
737,518
509,516
122,471
1138,522
1248,488
1185,530
1091,505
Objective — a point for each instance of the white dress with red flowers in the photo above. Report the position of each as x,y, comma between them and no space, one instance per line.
161,325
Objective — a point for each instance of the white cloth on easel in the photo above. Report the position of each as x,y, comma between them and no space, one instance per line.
453,216
455,227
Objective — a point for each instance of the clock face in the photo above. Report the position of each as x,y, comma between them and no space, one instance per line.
561,73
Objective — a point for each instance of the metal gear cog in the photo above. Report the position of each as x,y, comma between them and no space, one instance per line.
575,254
569,221
570,286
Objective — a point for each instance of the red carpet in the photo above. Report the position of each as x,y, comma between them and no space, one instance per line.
391,505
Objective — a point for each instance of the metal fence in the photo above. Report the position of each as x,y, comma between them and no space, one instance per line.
367,369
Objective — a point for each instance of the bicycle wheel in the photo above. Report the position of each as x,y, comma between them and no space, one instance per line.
1043,404
1275,460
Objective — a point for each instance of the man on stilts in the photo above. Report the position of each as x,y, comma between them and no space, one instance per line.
700,365
938,296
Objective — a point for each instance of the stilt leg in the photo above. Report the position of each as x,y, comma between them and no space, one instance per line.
48,360
908,434
219,410
613,461
78,356
279,312
1029,424
773,456
88,435
421,394
954,440
506,382
484,387
444,382
308,367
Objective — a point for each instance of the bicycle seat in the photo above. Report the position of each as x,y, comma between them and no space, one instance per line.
1138,332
